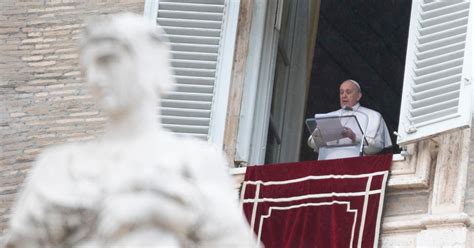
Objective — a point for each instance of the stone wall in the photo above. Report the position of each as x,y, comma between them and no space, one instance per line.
43,100
469,200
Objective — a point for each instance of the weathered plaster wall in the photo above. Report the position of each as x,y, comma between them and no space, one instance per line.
238,78
469,200
42,96
406,202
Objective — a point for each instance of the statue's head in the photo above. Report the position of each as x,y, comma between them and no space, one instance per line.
126,61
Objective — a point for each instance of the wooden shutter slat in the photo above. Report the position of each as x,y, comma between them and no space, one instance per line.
186,112
442,65
194,39
185,104
194,80
189,96
199,64
193,31
194,1
196,7
432,98
445,10
194,72
441,51
443,26
191,15
434,76
441,35
443,19
200,48
195,88
438,106
443,82
187,129
187,120
441,58
442,43
176,22
436,4
435,117
194,56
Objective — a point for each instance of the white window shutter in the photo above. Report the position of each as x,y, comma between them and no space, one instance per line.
202,38
438,70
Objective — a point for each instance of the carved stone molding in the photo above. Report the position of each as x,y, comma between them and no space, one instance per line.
410,223
450,176
413,171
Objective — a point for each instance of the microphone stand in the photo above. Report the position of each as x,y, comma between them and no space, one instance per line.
361,150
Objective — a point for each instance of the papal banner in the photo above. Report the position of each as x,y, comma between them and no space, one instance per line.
329,203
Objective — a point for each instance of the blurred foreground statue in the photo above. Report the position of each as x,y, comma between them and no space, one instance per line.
138,185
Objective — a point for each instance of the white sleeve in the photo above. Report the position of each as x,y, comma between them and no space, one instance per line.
312,144
315,140
376,142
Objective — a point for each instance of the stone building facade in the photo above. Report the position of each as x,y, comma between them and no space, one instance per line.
43,100
469,190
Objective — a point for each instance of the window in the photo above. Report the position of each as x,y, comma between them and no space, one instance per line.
432,85
202,38
367,43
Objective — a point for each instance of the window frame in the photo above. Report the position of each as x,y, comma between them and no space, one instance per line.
259,73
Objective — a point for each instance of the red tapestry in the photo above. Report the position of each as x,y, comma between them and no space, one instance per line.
329,203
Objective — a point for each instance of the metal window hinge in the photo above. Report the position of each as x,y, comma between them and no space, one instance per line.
467,81
240,164
411,129
404,153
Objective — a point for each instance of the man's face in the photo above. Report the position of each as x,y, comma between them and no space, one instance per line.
349,94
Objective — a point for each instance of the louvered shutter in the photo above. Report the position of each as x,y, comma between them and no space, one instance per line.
436,87
195,29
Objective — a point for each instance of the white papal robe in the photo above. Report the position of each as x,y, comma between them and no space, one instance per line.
371,123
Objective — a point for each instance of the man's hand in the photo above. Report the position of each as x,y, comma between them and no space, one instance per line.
318,140
348,133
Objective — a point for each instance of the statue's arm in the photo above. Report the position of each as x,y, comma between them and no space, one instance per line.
223,222
37,217
27,228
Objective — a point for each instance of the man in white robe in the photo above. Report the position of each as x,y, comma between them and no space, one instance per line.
370,121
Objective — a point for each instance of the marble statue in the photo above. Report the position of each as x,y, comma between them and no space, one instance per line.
137,185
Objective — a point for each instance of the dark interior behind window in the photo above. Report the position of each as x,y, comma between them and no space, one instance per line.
365,41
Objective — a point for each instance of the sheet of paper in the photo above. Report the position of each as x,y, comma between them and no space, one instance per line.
330,127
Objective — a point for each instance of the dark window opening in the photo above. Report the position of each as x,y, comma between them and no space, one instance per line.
365,41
